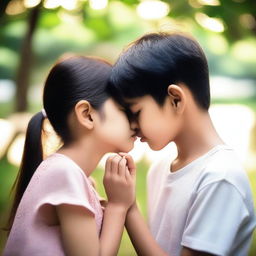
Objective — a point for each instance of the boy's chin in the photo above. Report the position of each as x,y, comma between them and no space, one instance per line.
156,147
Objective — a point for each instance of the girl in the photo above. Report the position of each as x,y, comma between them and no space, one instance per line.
58,212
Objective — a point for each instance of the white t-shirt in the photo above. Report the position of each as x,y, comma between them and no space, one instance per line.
206,206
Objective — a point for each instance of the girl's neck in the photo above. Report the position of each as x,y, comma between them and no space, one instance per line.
85,155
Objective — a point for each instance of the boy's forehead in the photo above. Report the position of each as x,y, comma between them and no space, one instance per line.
131,102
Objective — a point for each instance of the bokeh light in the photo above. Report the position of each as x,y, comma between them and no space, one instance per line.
213,24
98,4
152,9
31,3
15,151
15,7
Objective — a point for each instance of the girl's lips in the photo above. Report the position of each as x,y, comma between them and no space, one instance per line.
134,136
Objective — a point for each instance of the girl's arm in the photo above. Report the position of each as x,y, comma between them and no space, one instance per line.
78,227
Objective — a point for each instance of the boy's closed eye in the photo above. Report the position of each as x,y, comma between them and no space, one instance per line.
136,114
128,113
133,116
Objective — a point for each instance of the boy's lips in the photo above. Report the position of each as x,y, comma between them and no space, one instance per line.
142,139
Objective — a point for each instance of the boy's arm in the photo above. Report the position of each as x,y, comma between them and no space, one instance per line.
142,239
138,231
140,235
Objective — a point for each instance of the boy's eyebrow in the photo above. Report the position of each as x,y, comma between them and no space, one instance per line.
130,103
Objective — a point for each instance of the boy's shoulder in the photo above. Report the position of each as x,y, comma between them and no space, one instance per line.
224,166
221,164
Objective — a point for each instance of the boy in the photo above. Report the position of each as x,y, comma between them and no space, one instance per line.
200,203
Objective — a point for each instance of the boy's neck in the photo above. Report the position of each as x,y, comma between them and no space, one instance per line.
197,138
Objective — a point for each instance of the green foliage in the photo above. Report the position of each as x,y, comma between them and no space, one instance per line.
230,12
101,26
7,176
49,19
252,178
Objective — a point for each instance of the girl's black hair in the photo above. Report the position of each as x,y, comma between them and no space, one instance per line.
153,62
69,81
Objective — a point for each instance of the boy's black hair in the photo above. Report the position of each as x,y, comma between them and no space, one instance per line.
153,62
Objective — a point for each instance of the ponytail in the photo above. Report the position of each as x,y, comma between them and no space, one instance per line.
31,158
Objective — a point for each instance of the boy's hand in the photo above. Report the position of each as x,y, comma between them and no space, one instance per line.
119,181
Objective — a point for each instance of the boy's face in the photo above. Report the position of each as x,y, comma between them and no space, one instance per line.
156,125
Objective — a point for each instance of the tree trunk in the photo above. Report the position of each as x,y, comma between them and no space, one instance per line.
24,68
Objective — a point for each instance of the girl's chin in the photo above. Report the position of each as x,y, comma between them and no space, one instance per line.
127,148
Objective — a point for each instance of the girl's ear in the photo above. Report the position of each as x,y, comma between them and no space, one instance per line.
177,97
83,113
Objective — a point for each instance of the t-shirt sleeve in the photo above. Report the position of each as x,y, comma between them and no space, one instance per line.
214,218
65,185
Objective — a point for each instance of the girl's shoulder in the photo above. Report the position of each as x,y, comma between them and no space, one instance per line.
59,173
60,180
59,164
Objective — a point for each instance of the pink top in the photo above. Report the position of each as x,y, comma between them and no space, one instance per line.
58,180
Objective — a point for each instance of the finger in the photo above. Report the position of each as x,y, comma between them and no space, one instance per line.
108,164
114,164
130,164
128,175
122,167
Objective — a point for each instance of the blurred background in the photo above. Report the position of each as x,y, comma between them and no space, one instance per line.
34,33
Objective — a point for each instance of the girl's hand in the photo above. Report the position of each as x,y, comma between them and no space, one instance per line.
130,163
119,182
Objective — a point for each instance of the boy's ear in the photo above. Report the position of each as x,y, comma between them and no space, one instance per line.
177,97
83,113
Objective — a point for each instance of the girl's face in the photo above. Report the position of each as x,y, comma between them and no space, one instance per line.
113,129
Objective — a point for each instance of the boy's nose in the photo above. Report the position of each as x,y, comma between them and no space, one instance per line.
135,128
134,125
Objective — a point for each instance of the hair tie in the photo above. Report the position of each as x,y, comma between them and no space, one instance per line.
44,113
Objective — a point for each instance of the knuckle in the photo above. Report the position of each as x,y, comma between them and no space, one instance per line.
116,161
